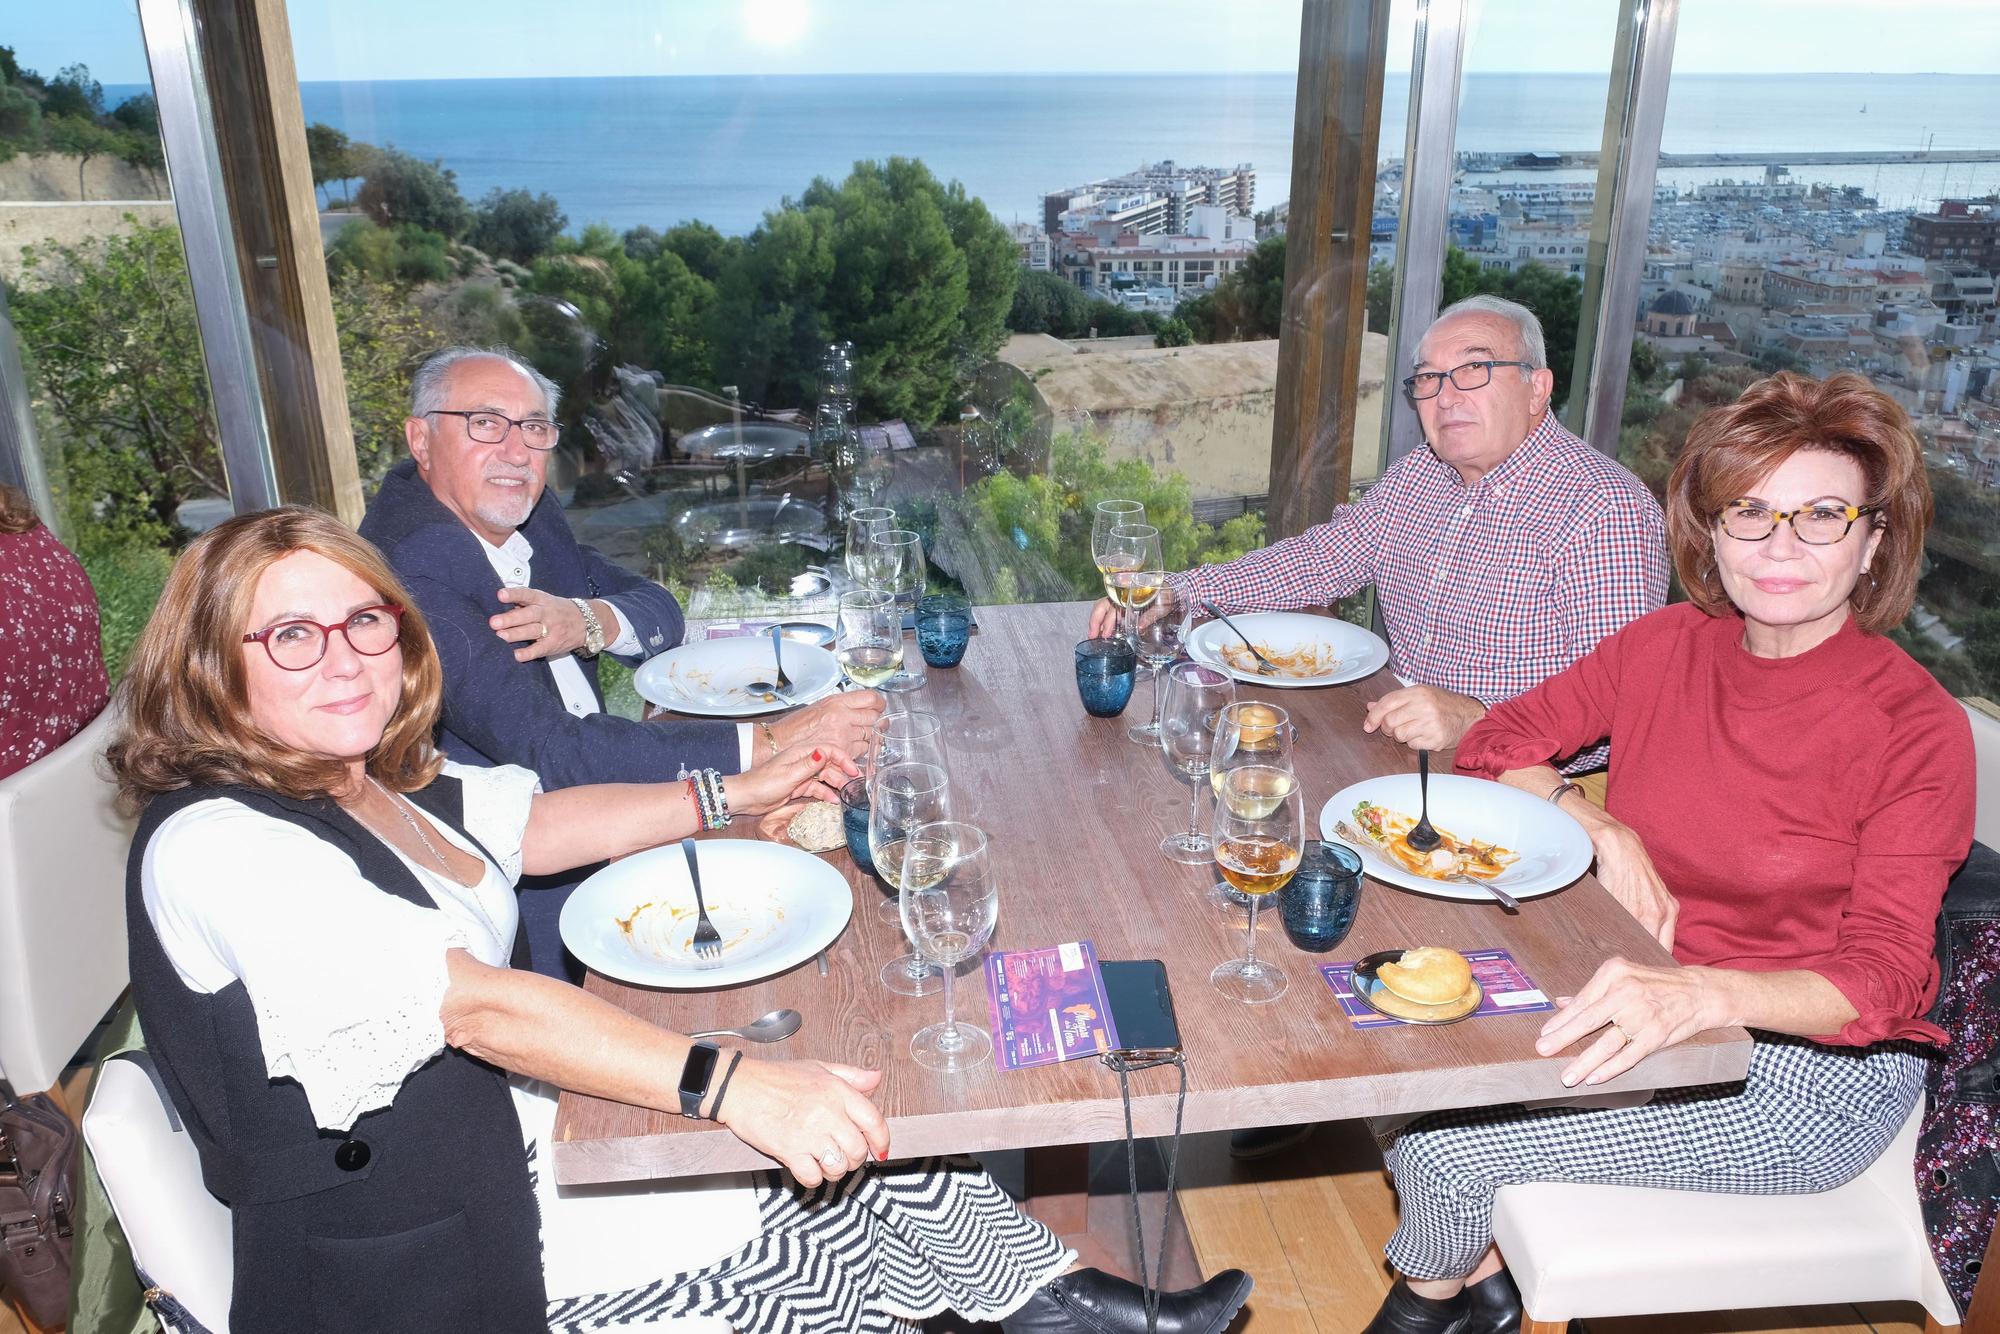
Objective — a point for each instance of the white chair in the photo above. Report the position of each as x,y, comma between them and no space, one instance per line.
1582,1251
180,1234
62,906
1602,1251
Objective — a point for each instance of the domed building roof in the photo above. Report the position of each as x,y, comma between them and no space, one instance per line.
1673,302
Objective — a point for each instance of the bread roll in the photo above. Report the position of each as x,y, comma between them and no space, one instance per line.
1428,975
817,828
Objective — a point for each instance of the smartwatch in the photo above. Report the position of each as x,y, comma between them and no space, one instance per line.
700,1068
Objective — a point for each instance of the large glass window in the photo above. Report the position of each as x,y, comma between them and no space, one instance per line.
1853,225
784,263
98,296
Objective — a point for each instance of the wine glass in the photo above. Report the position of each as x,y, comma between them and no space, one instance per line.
950,902
862,524
1258,841
1194,695
1134,570
1104,516
1159,637
901,799
1250,734
896,563
869,647
911,737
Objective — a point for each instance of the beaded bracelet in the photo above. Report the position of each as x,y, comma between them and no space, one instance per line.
713,800
694,800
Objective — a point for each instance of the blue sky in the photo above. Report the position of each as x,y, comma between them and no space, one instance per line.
359,39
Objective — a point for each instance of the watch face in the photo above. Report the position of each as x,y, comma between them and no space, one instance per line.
699,1069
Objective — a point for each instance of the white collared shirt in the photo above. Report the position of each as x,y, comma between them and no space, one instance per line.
512,561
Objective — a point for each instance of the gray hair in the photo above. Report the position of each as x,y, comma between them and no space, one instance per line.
427,386
1534,348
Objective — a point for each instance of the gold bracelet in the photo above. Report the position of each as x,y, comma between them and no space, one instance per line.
769,736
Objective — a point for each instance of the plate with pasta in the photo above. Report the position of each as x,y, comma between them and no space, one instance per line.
1488,832
1304,650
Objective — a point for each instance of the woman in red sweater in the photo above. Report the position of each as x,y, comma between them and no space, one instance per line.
1789,793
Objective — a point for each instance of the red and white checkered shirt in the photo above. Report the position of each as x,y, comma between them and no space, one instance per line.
1487,589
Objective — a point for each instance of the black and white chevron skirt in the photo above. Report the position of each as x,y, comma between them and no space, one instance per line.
878,1250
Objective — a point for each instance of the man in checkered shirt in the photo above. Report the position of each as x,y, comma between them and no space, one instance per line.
1500,554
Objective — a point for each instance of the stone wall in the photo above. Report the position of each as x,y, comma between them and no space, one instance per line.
51,177
23,225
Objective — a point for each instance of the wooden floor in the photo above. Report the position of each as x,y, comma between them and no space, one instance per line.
1312,1233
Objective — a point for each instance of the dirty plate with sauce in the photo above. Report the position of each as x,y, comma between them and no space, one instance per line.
775,906
710,678
1307,650
1549,848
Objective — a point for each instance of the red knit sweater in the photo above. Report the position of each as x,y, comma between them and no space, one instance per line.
1805,811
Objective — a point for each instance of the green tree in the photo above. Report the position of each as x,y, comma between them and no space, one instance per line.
20,116
1247,304
83,138
10,68
139,114
1047,303
401,188
1174,333
118,362
916,274
517,225
383,339
1381,296
331,154
73,93
670,306
1982,646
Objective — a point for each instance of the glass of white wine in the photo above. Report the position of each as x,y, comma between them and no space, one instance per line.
1104,516
869,648
1250,734
897,566
1258,843
914,736
902,798
1134,571
950,903
1194,696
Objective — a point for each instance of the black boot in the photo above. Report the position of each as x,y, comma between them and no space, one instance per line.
1493,1305
1403,1312
1090,1301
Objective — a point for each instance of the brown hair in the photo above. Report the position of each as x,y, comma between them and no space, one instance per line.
1730,448
17,512
185,690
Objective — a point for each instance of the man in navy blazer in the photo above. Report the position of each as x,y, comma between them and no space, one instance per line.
519,609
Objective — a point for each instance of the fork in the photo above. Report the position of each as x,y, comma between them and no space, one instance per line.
707,940
778,655
1507,901
1265,667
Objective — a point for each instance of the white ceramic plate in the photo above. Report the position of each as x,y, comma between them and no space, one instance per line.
1554,849
774,905
708,677
1346,652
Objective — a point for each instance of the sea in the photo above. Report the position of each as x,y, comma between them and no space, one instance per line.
658,151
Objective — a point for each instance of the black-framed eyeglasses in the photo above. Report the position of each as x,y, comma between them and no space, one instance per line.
490,428
1816,525
1472,375
299,645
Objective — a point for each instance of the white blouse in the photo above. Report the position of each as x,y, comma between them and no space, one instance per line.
346,980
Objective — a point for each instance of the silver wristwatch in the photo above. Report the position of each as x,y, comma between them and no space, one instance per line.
593,629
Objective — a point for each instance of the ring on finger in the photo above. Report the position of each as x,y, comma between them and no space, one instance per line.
1622,1033
833,1160
541,630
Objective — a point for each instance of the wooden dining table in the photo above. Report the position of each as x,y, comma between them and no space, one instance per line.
1075,812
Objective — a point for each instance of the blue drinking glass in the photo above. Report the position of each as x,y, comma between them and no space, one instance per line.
854,822
1105,672
1318,905
944,624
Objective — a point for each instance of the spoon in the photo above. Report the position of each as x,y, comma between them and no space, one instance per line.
783,685
1423,838
773,1027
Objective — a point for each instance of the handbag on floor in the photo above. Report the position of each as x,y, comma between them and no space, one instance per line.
38,1167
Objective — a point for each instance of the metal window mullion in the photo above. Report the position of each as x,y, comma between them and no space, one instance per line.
20,458
1636,113
194,175
1424,225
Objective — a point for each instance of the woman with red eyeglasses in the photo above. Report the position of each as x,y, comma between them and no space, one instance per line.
322,916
